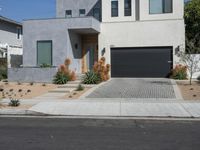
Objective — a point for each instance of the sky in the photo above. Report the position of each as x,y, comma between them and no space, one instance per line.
27,9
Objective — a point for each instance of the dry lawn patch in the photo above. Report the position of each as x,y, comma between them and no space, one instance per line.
189,92
24,90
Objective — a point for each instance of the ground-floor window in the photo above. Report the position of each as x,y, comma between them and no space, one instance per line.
44,53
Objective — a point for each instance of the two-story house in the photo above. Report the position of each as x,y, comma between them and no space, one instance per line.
11,41
138,38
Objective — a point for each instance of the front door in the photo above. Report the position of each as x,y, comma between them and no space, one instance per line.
89,52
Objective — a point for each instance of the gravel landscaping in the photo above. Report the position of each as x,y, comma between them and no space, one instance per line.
189,92
12,90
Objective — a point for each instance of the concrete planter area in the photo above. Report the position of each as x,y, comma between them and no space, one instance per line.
31,74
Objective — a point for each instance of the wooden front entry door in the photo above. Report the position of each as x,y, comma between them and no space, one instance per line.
90,52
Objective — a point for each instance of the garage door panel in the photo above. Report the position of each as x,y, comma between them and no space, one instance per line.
141,62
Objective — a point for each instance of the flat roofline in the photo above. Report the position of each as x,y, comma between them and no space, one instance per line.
59,18
10,21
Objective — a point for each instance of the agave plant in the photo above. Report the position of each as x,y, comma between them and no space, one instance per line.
80,88
61,78
14,103
91,78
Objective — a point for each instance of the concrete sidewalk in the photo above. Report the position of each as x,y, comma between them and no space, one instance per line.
120,108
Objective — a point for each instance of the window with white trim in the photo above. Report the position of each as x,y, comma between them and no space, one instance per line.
160,6
114,8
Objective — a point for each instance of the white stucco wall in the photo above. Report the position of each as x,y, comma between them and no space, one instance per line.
106,12
197,74
178,10
151,30
142,34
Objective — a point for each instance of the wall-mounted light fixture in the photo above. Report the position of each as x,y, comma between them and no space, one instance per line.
178,49
103,51
76,46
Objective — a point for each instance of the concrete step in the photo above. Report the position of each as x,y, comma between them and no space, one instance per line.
74,82
50,96
76,85
62,90
69,86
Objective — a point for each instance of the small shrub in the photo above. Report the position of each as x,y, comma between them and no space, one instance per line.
80,88
1,77
65,72
14,103
3,72
72,76
19,83
45,66
28,91
102,69
179,72
60,78
20,90
198,78
44,84
91,78
31,84
1,90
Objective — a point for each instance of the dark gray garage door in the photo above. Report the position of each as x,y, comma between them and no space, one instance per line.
141,62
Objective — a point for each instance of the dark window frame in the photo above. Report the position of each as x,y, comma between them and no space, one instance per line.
19,33
114,11
163,8
44,41
128,11
67,15
82,14
99,13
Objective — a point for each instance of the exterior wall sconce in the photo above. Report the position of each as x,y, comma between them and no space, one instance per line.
76,46
177,50
103,51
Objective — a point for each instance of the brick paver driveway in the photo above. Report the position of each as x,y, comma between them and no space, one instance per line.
135,88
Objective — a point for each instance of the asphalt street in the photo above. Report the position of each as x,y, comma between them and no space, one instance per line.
94,134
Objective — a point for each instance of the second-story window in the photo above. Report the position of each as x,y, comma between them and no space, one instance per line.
114,8
160,6
68,13
19,33
127,7
81,12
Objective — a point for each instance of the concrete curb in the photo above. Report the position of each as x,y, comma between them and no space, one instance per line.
176,90
119,109
92,90
18,112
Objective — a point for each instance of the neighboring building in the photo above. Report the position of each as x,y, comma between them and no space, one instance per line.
139,38
11,41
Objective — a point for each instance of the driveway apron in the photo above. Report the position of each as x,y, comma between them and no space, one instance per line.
135,88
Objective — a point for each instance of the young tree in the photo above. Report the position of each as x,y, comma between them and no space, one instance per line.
190,59
192,21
